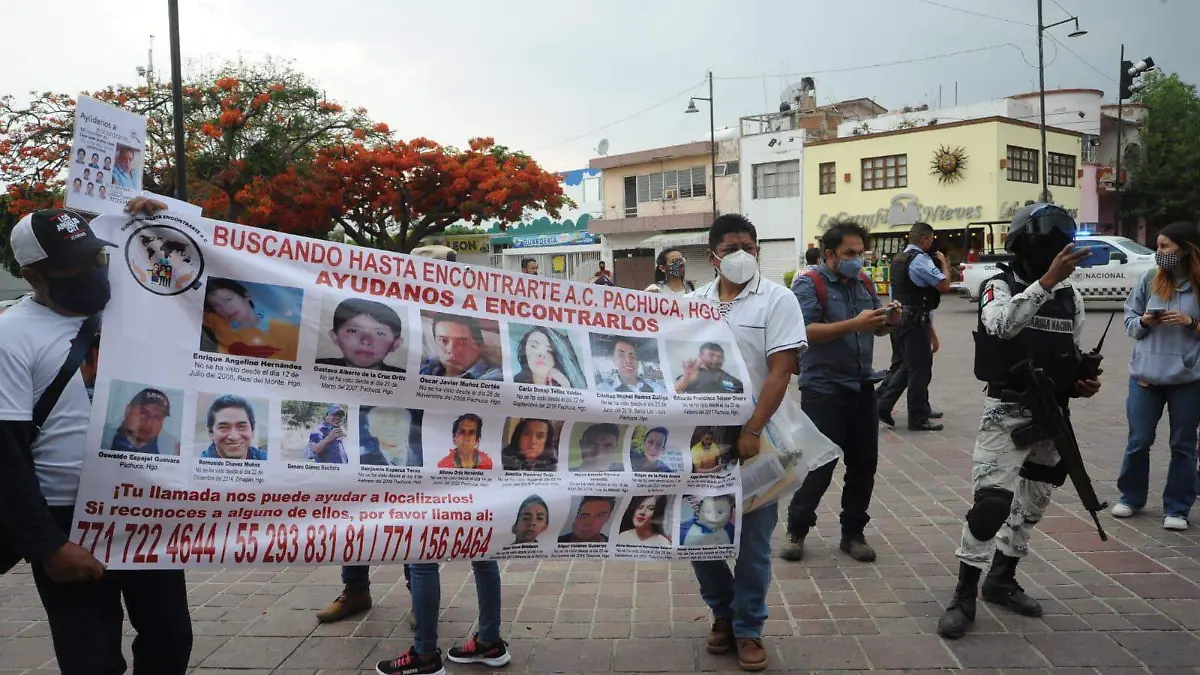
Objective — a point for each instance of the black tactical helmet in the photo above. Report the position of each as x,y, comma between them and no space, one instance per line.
1038,222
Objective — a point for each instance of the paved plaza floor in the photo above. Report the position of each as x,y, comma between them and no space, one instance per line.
1131,605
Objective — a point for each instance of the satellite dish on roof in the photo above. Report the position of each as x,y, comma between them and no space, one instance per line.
602,149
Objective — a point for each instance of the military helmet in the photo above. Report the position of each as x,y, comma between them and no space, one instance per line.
1039,221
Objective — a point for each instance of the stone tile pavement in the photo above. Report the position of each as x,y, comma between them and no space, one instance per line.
1131,605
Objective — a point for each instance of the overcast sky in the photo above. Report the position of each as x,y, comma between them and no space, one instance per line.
552,76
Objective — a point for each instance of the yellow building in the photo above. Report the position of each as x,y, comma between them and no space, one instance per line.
947,174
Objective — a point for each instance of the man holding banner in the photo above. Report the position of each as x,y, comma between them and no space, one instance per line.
769,329
42,446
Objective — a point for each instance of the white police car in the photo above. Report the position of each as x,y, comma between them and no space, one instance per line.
1108,274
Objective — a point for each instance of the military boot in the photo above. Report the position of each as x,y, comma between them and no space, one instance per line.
960,614
1001,587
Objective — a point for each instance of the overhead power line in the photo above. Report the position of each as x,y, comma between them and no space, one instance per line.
1082,60
647,109
846,69
978,14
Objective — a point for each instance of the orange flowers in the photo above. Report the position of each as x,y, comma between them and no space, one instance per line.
230,118
227,83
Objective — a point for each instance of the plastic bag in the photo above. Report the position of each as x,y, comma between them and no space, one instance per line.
791,447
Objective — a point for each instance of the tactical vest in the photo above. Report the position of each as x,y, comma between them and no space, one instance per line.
906,292
1049,340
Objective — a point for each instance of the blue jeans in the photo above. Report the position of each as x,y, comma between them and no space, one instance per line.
360,576
1144,408
740,596
427,602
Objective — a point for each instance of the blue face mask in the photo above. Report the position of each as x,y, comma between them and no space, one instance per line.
850,269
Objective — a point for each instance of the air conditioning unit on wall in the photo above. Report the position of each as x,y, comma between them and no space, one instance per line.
670,194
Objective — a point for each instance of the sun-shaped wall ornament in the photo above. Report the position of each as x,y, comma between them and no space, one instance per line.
948,164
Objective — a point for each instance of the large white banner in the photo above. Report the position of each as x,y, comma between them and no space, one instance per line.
267,399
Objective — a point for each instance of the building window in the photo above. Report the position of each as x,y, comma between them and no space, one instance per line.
885,173
1022,164
1062,169
828,176
667,185
777,179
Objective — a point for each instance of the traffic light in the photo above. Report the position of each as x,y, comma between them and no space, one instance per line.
1130,71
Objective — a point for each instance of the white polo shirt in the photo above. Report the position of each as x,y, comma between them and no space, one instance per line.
765,318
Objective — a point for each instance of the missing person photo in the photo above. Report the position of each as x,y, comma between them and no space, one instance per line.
652,450
647,521
139,419
702,368
596,446
713,448
362,333
314,432
589,521
229,426
533,519
460,346
244,318
548,357
707,520
530,444
626,364
124,172
458,441
389,436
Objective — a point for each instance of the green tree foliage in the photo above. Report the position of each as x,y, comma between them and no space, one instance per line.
1164,166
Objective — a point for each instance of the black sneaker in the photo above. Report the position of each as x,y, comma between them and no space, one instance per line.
412,663
494,654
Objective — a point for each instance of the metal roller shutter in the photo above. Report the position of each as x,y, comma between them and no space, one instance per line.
698,270
776,258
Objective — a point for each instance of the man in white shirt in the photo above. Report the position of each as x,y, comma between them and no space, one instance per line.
769,329
67,266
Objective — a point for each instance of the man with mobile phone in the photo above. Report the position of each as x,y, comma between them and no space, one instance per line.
837,379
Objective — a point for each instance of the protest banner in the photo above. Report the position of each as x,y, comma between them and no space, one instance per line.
107,156
268,399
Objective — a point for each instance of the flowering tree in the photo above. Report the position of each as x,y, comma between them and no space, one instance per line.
392,195
240,122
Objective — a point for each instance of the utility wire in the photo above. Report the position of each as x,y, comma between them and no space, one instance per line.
1082,60
661,103
979,14
874,65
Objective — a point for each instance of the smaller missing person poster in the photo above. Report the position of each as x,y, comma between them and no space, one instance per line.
268,399
108,151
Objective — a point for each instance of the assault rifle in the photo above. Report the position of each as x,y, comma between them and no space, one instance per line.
1049,423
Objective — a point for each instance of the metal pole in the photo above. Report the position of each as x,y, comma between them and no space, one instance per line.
712,142
1120,225
177,102
1042,97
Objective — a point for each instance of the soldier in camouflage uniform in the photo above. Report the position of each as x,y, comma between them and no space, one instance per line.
1040,319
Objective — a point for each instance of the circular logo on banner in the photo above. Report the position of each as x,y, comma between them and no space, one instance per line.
164,259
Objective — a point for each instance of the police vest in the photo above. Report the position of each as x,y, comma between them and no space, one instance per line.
905,291
1049,340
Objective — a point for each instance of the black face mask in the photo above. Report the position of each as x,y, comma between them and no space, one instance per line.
84,293
1041,252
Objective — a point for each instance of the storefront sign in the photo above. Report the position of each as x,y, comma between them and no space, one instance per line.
464,243
561,239
1009,209
905,210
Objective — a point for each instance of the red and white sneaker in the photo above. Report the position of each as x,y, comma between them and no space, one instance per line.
494,654
412,663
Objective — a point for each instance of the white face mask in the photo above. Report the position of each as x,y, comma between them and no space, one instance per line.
738,267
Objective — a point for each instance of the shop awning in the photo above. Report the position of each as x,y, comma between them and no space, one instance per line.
686,238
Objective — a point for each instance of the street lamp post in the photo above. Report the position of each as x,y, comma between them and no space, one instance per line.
177,102
1041,28
712,137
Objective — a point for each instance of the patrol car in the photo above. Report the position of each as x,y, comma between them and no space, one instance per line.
1108,274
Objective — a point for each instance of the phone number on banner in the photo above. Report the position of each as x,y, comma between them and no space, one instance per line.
215,543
